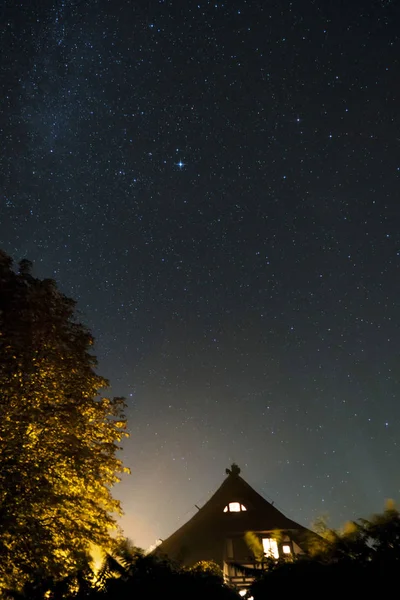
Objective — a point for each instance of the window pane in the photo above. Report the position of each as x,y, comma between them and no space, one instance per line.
234,507
286,549
270,547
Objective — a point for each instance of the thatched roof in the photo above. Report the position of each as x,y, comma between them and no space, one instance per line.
203,536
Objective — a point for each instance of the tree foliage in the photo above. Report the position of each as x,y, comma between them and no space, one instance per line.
58,438
363,556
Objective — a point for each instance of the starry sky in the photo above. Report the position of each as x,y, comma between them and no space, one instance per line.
217,185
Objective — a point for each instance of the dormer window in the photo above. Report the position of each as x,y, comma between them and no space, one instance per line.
235,507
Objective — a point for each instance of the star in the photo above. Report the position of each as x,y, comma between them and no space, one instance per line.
180,164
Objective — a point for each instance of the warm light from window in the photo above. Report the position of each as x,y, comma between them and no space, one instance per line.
286,549
235,507
270,547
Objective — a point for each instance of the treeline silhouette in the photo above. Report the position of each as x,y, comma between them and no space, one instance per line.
129,573
360,560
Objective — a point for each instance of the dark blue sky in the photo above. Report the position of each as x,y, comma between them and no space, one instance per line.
217,185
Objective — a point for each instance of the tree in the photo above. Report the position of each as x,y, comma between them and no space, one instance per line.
58,437
363,556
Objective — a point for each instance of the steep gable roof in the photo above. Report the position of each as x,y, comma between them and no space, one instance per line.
203,536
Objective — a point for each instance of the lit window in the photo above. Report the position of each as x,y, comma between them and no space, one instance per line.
234,507
270,547
286,549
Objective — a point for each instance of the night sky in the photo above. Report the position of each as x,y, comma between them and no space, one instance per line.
217,185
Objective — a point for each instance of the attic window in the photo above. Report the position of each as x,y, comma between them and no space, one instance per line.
234,507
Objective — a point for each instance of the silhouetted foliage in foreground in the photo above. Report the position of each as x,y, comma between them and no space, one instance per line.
364,556
128,573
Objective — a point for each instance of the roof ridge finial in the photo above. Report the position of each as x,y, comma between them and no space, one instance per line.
234,470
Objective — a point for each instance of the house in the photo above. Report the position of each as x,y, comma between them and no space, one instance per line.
217,531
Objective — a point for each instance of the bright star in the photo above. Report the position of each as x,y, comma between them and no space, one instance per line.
180,164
